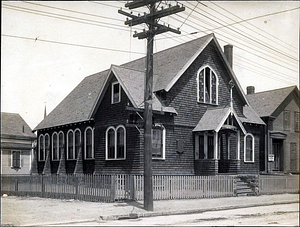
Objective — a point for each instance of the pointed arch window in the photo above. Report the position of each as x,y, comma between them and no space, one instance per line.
61,143
73,144
207,86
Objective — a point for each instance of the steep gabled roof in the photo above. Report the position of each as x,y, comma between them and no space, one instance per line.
76,107
265,103
169,65
13,123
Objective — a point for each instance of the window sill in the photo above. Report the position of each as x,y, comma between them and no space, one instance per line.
17,168
249,162
89,159
161,159
205,103
119,159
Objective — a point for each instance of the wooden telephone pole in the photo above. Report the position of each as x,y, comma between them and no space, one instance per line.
155,28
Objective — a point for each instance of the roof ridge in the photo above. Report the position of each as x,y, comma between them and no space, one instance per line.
283,88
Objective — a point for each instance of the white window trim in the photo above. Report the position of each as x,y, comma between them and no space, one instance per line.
163,141
57,146
93,156
112,92
12,159
245,148
39,154
217,86
74,143
106,143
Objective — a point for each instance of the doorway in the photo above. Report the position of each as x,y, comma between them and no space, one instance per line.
278,154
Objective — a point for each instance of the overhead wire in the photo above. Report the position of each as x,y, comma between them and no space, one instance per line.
243,48
247,20
259,50
247,35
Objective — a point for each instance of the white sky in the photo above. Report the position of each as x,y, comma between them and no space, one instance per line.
35,72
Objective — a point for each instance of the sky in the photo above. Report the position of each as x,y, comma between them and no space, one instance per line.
48,47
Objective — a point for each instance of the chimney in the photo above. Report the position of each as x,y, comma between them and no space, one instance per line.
228,53
250,90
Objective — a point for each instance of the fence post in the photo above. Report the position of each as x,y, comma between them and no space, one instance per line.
132,187
76,186
43,186
235,186
112,188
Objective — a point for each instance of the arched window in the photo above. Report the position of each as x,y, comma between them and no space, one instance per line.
41,148
158,141
121,139
70,145
61,143
55,150
77,142
116,143
89,143
249,148
207,86
47,144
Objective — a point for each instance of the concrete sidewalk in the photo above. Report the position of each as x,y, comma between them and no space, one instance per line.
28,211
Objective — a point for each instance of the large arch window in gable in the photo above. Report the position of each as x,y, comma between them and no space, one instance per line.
116,143
207,86
89,143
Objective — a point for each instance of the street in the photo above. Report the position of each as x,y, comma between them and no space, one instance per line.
275,215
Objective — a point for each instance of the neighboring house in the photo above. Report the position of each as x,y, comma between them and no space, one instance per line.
279,109
17,143
197,128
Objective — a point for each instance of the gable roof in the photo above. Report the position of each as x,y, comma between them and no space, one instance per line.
81,104
265,103
13,123
76,107
214,119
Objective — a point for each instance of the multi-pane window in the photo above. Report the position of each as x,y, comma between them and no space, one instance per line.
207,87
73,144
115,93
41,148
116,143
89,143
296,121
47,144
16,159
70,146
204,147
158,142
286,120
55,150
61,142
249,148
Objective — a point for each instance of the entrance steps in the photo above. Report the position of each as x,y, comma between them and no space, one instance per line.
246,185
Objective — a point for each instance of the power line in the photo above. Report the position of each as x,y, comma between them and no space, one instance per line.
71,44
252,39
240,33
281,41
59,16
244,49
73,11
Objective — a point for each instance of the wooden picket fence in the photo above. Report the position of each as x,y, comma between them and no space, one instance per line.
109,188
276,184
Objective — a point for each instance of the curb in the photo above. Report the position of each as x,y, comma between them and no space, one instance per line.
178,212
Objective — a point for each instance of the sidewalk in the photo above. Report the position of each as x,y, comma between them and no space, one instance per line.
28,211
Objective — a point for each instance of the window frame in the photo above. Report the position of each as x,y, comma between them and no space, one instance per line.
287,122
42,136
163,141
204,87
63,143
296,121
112,92
57,147
245,148
85,143
115,143
12,160
74,143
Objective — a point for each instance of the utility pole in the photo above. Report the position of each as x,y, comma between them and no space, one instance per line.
155,28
